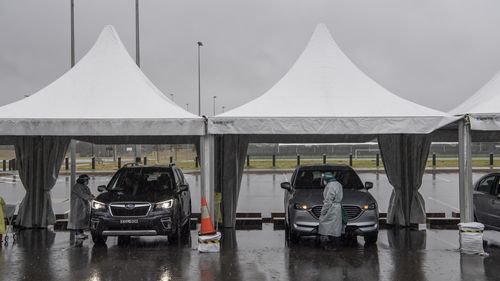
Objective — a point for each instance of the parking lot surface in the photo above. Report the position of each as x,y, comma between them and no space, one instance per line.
246,255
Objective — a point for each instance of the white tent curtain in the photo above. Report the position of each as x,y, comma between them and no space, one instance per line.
38,160
405,158
230,154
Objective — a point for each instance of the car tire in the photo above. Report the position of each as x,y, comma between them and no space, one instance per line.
98,238
123,240
291,237
177,234
186,228
371,239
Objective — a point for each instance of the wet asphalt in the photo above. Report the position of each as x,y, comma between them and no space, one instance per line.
400,254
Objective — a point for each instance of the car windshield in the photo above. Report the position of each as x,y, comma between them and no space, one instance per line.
142,180
311,178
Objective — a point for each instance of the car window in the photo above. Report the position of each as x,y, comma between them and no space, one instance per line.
183,179
311,178
177,178
142,180
486,184
180,176
496,191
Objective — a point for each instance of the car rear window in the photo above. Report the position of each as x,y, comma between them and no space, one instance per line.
311,178
143,180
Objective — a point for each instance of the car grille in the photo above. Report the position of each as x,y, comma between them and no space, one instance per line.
352,211
316,211
129,209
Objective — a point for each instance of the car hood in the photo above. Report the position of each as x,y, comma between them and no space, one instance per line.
315,197
113,196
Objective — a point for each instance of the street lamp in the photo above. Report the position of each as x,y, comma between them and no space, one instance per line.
223,109
172,97
187,106
199,79
214,97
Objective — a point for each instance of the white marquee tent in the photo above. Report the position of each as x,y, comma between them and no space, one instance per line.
482,117
104,98
324,97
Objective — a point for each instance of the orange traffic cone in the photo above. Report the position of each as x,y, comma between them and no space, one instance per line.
207,227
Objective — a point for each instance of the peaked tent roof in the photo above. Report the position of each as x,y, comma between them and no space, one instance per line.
104,94
325,93
483,107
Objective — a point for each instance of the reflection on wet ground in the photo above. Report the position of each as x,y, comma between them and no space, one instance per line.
400,254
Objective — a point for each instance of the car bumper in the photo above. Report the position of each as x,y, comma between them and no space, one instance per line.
303,223
132,226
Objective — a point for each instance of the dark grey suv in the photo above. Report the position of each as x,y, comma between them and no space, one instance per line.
487,200
304,200
142,200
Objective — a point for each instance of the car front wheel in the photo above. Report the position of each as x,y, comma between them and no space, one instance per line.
177,234
98,238
291,237
371,239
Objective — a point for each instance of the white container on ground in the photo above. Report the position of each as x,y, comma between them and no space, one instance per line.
209,243
471,238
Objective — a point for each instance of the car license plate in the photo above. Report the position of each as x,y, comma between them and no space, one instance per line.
129,221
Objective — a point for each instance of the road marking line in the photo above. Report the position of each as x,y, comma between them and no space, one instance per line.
443,203
443,179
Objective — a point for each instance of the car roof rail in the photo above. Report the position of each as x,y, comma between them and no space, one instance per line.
134,164
171,164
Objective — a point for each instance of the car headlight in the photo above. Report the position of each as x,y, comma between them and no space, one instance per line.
164,204
96,205
301,206
371,206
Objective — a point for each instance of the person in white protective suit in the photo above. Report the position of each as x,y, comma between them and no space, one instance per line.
79,214
330,221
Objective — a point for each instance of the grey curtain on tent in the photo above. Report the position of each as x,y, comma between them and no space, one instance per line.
38,160
405,157
230,154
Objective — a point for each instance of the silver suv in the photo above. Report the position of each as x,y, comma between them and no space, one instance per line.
487,200
304,200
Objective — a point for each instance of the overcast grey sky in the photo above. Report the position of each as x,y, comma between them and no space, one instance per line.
433,52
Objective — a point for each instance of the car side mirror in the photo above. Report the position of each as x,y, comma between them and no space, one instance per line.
286,185
183,187
368,185
102,188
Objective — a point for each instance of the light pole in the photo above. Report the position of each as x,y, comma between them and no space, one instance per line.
172,97
137,45
187,106
199,79
137,61
73,142
223,109
214,97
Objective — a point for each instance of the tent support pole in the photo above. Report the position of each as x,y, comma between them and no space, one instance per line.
465,170
73,161
207,145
